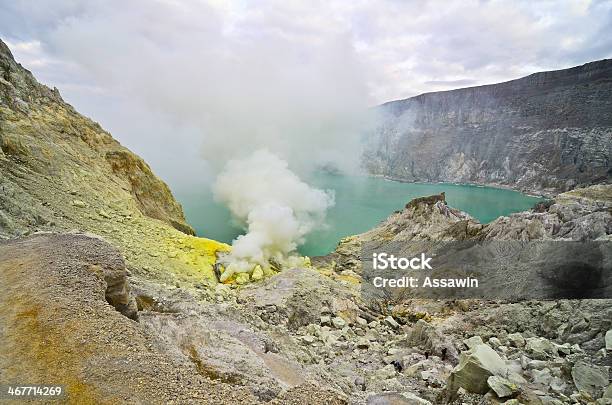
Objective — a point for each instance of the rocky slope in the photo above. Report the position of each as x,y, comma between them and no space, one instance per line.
573,333
548,132
303,335
60,171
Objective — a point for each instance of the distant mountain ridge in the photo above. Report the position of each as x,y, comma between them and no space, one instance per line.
547,132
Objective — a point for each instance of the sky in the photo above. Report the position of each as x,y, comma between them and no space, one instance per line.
186,84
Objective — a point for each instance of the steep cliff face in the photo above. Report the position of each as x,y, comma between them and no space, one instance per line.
60,171
549,132
34,121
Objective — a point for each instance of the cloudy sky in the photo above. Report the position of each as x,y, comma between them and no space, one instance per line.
200,79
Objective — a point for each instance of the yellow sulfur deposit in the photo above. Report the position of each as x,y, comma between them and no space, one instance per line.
192,257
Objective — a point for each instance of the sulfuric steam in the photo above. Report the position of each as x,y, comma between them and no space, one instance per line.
275,206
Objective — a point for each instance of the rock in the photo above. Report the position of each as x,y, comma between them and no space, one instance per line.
257,274
511,402
363,343
542,377
557,385
386,372
104,214
242,278
394,398
79,204
389,321
308,339
608,392
412,369
426,337
608,339
361,322
360,383
475,367
502,387
516,340
539,348
590,378
325,320
564,349
575,348
338,322
414,399
473,342
494,342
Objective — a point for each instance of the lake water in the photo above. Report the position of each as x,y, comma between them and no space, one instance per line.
361,203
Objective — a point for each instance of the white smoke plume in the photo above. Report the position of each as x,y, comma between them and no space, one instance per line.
277,208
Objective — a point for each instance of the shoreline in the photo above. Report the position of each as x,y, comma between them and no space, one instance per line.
528,192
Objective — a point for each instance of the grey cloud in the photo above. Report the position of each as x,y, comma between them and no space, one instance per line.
215,79
451,83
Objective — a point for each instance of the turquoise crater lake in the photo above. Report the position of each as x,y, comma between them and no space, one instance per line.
361,203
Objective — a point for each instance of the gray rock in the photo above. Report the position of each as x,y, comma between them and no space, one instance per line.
338,322
473,342
308,339
385,373
539,348
542,377
360,383
608,392
503,388
557,385
363,343
414,399
389,321
608,339
590,378
475,367
516,340
395,398
426,337
494,342
325,320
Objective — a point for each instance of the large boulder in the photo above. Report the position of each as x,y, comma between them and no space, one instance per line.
474,369
590,378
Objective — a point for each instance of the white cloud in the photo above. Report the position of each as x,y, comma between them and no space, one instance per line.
289,76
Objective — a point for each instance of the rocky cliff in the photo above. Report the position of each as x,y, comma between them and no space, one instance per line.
548,132
60,171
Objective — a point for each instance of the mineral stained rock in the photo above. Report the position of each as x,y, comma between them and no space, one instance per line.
60,171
